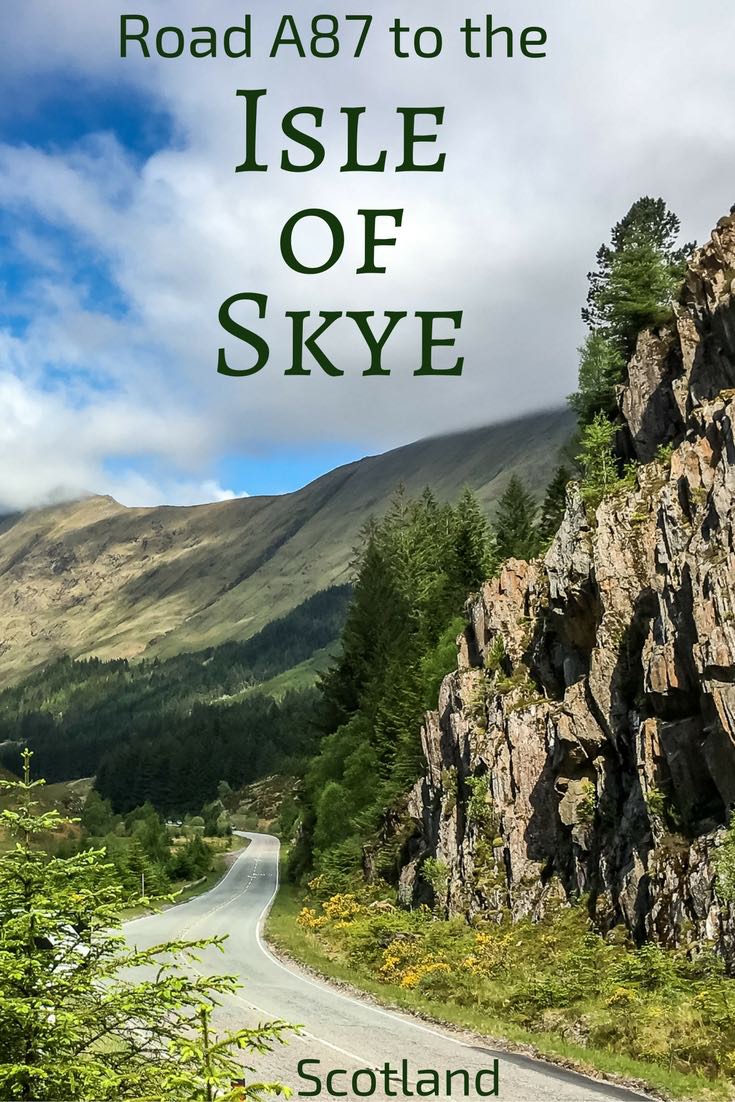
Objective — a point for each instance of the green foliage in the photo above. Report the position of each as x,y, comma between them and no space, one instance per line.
515,523
656,804
192,861
637,274
554,504
75,714
441,660
587,804
97,817
554,975
475,552
480,812
601,369
436,873
178,767
136,845
496,655
725,864
520,683
288,816
600,474
83,1014
413,573
334,816
633,286
217,821
139,848
639,293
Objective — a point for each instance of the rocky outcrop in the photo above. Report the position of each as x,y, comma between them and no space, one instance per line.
585,746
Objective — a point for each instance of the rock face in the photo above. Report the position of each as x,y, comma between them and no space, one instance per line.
586,743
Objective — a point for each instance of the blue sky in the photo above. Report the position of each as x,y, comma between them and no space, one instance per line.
63,116
63,109
123,227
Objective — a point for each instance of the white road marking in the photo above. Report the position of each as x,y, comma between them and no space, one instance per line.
324,988
361,1061
339,994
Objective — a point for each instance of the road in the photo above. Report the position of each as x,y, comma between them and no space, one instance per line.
340,1031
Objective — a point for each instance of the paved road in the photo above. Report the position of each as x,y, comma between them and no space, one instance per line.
340,1032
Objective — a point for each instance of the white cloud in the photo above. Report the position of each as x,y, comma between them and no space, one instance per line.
542,158
76,448
133,488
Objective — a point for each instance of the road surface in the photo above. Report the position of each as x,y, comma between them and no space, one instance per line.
340,1031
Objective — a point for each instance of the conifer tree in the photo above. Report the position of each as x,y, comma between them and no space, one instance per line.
474,545
601,369
637,274
596,458
515,523
413,576
377,616
554,504
77,1021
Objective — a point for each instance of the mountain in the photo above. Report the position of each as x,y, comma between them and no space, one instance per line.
92,577
586,744
204,707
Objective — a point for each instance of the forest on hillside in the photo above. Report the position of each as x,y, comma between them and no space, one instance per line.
416,568
74,713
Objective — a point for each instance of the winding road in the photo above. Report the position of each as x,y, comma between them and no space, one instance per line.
341,1032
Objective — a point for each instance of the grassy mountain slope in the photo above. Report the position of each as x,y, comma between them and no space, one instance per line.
94,578
73,711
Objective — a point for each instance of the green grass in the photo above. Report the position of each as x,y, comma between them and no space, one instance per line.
303,676
286,936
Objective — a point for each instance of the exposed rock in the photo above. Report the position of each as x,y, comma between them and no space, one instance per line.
586,744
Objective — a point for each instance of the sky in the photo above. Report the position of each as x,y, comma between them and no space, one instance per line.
124,227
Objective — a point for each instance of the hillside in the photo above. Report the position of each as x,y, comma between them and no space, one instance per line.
75,711
95,578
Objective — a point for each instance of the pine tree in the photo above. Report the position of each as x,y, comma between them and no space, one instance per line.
637,274
377,616
77,1021
414,573
597,460
601,369
474,545
554,504
515,523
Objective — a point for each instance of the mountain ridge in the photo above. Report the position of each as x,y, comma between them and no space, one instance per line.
94,577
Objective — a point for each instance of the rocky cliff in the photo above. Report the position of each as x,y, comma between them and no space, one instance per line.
586,744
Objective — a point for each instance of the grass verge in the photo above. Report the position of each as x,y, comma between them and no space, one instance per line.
283,933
